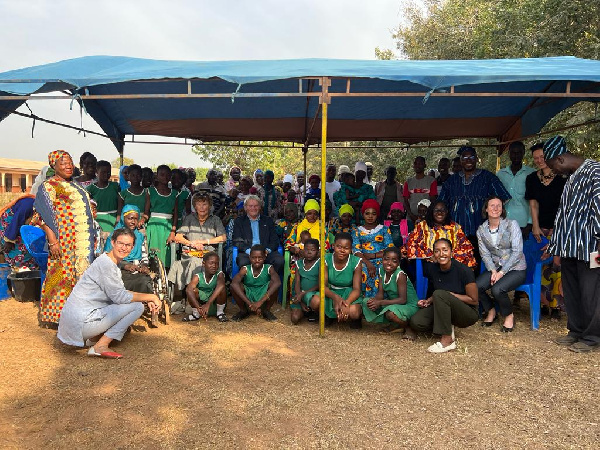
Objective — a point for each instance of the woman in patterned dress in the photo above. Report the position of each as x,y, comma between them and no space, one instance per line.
369,242
12,216
64,213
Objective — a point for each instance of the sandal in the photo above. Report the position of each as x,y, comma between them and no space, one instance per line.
222,318
190,318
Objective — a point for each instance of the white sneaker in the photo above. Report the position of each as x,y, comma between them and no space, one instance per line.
439,348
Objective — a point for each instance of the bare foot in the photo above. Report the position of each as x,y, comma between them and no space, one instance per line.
409,335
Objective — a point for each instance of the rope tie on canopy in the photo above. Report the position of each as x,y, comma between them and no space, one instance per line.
77,97
239,86
34,117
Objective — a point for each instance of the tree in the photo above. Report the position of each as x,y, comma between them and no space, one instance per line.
117,162
480,29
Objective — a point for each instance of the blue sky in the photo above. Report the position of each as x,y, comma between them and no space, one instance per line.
37,32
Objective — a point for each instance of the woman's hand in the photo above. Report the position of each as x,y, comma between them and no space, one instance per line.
130,268
255,306
143,268
371,269
496,276
171,237
54,250
155,304
537,233
198,245
425,303
203,310
373,304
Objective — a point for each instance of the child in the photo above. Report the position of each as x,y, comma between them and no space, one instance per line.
206,288
314,191
106,194
343,274
307,281
396,298
344,223
304,236
398,224
163,214
347,194
87,162
184,201
99,238
147,177
422,208
255,286
135,195
190,178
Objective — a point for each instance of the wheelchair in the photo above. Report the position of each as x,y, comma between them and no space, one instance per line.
161,288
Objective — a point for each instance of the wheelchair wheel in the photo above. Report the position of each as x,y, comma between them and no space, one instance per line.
161,289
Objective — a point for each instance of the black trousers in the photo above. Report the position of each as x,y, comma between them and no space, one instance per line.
445,311
273,258
581,289
499,290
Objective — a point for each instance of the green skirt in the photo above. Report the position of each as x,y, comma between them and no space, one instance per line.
305,300
344,293
106,222
158,231
403,312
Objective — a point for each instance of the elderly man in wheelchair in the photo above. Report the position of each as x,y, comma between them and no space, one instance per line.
140,271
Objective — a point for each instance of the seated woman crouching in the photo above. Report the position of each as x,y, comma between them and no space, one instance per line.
99,308
454,301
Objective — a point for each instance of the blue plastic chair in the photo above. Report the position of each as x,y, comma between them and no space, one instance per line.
235,269
34,239
421,282
533,283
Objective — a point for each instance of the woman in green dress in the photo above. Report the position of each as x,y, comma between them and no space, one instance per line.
255,286
342,283
207,289
163,214
396,298
306,284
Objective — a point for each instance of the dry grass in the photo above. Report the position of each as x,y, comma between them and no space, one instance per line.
272,385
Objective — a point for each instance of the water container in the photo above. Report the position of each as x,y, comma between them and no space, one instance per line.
5,271
26,286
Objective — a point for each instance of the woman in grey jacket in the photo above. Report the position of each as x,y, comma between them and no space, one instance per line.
99,308
501,248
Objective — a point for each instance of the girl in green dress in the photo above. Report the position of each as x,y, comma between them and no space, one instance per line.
135,195
206,289
396,298
343,273
306,282
105,193
163,214
255,286
184,201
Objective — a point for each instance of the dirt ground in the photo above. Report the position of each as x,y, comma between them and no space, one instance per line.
256,384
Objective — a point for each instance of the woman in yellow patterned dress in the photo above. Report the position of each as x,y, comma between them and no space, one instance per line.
63,212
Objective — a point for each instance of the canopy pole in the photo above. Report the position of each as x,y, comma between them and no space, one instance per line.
325,99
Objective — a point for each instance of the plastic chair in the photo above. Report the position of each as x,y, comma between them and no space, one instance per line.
421,282
287,273
235,269
533,283
34,239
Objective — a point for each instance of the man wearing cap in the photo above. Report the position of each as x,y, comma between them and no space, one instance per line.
576,239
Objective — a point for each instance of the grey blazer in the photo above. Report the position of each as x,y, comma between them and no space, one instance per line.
508,251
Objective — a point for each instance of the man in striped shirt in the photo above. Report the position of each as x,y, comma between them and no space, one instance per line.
576,235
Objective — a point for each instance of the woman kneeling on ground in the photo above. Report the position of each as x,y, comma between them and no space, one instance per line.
396,299
207,288
342,283
100,306
454,300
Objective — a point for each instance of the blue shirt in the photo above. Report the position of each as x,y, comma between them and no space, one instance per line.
517,208
255,233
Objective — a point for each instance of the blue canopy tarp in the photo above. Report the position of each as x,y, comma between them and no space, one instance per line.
408,101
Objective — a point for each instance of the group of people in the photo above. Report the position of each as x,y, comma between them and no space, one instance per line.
467,227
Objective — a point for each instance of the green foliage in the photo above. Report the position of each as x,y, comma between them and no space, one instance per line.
250,156
482,29
117,162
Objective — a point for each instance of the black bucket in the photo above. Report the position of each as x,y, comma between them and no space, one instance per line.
26,286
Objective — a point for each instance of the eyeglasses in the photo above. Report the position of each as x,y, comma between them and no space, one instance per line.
471,157
123,244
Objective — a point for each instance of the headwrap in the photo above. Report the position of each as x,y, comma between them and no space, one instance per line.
314,176
257,172
464,148
123,183
369,164
39,179
346,208
343,169
311,204
425,202
54,156
370,204
361,166
397,205
288,178
136,251
553,147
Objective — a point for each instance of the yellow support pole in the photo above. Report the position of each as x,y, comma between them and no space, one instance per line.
325,99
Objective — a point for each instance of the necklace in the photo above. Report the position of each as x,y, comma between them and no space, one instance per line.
545,178
494,231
